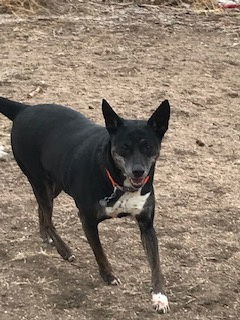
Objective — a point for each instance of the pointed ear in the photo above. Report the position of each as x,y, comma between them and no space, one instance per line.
112,120
160,118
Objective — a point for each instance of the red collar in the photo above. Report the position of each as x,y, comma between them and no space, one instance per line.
123,188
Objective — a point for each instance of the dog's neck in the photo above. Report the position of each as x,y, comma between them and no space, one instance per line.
112,172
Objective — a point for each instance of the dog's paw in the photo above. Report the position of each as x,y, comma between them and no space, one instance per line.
115,282
160,302
71,258
110,279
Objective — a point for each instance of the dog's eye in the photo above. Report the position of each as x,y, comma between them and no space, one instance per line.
125,149
146,148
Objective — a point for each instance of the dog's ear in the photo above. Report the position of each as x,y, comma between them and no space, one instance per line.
160,118
112,120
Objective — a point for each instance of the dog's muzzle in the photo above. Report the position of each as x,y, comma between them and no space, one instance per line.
138,182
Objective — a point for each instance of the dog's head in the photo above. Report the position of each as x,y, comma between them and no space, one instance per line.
135,144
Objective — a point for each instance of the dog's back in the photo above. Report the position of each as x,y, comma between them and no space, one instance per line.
44,138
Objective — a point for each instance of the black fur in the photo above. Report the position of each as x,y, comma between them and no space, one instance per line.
59,149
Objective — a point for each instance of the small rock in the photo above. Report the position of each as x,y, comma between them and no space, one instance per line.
33,93
200,143
233,94
3,154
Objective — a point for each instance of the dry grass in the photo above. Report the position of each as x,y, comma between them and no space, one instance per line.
206,4
199,4
32,6
46,6
203,4
22,6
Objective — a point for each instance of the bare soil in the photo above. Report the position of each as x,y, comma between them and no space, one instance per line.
134,57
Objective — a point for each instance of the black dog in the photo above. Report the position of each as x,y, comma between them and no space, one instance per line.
108,172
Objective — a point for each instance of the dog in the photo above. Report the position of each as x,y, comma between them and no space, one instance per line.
108,171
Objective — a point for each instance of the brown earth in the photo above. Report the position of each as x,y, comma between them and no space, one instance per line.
134,57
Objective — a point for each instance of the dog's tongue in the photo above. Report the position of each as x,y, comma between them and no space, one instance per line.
138,182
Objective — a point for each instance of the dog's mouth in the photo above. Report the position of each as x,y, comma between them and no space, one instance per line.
137,182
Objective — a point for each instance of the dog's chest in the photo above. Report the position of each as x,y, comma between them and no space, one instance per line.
130,202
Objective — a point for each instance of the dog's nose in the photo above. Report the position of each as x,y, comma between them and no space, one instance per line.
138,173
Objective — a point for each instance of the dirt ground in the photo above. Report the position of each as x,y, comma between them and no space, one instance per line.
134,57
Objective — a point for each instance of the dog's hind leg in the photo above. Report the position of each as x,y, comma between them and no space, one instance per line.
45,193
53,192
42,229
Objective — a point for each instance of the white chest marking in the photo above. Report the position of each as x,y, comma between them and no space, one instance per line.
129,202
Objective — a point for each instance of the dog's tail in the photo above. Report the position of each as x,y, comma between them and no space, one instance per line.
10,108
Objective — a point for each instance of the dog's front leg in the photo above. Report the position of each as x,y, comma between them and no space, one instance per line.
150,244
92,234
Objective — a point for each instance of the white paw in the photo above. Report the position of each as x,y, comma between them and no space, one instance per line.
160,302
